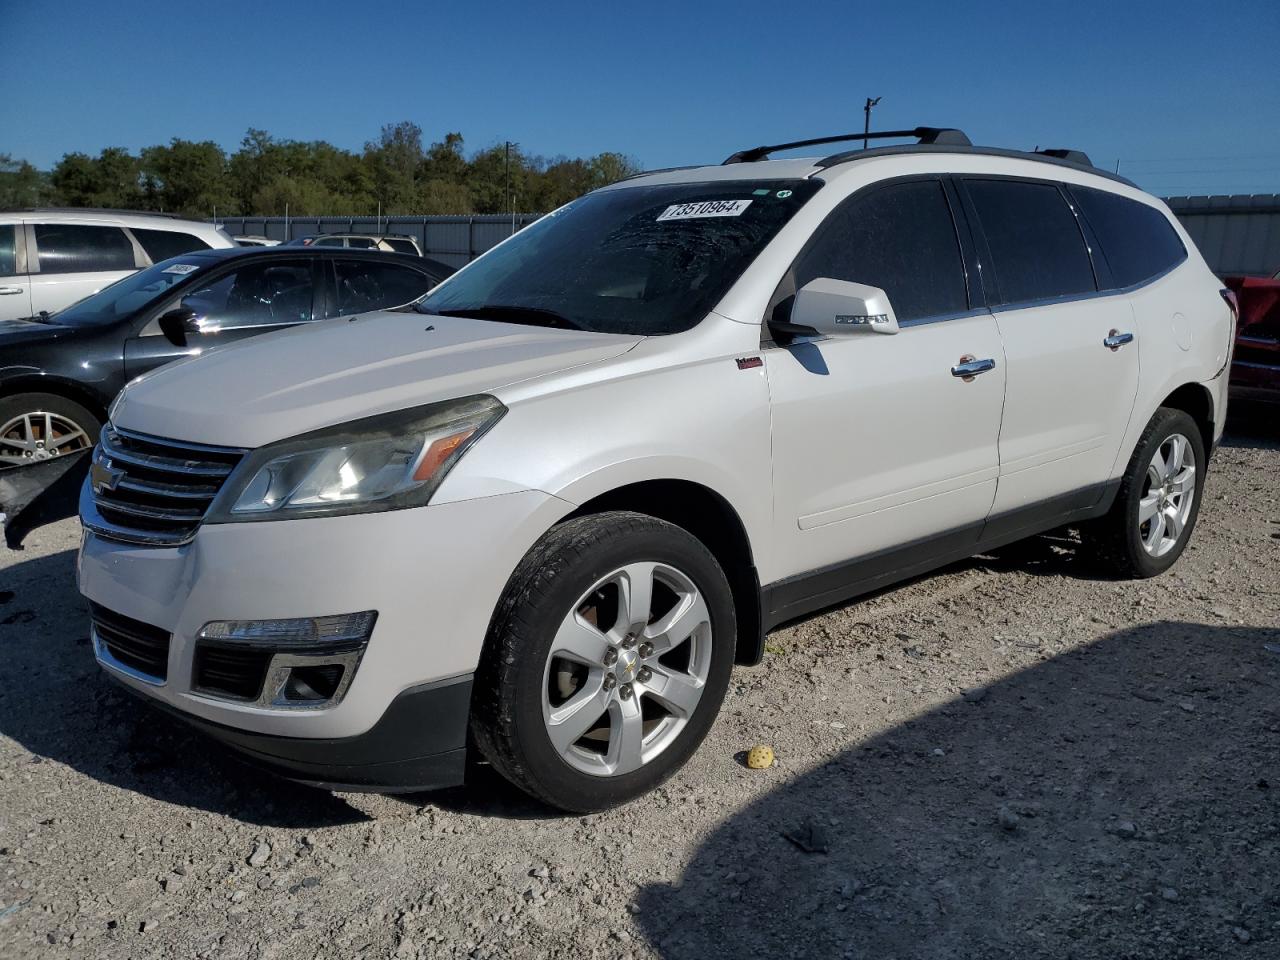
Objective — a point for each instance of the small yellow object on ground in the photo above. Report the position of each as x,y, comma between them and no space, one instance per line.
760,757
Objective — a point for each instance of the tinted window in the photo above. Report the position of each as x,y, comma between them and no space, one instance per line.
163,244
1036,246
1137,240
401,245
327,242
8,250
361,243
128,295
259,294
365,285
900,238
72,248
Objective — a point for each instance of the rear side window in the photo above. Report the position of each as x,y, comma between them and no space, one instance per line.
365,285
328,242
1036,246
1137,240
900,238
8,250
73,248
361,243
163,244
400,245
260,294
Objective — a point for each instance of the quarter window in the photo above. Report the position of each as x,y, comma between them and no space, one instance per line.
163,244
8,250
365,285
1137,240
257,295
1037,249
900,238
76,248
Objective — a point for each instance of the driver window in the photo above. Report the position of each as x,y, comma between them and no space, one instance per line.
257,295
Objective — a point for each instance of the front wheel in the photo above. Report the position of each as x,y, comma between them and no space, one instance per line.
1156,507
35,427
606,662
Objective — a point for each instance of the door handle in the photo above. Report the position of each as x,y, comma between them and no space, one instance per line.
1115,340
5,291
969,367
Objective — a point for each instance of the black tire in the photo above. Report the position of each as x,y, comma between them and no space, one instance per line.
507,707
21,403
1116,538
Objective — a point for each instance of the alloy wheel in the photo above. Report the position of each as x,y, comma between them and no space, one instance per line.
1167,495
627,669
40,435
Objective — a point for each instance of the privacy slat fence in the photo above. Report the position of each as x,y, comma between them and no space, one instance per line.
1236,234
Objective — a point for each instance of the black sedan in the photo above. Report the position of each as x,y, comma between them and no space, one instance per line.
59,373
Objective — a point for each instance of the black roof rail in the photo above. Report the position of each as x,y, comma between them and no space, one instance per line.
935,135
89,211
1071,156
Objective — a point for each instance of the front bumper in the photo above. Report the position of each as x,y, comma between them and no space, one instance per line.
433,574
418,744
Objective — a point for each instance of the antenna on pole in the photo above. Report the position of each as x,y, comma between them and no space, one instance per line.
866,125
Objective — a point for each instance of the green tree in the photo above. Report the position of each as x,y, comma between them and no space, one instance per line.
188,178
393,161
21,184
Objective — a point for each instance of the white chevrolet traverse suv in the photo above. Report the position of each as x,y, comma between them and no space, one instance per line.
542,517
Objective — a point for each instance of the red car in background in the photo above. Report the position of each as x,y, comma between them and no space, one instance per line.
1255,367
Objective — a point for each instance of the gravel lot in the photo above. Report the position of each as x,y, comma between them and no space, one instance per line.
1009,759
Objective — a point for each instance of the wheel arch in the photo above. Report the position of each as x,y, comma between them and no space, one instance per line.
67,389
1196,401
710,517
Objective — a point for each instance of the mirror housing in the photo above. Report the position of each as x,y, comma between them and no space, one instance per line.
177,324
841,308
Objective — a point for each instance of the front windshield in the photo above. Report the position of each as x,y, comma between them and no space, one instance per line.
127,295
635,260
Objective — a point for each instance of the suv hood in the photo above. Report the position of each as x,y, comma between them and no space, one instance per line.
280,385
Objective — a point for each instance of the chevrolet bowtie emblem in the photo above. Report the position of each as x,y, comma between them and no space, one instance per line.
103,477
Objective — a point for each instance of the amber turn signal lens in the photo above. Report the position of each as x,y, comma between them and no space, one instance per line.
439,452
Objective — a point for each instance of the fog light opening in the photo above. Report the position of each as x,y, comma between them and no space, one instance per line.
313,684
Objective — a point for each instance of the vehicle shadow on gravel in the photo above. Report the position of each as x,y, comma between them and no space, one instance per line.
1120,800
56,703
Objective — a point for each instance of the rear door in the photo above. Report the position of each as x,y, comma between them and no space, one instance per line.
877,446
70,261
15,285
1072,364
251,298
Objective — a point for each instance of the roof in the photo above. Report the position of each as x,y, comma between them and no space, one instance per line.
276,252
128,218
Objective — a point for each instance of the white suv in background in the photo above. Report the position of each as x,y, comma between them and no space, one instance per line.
546,514
49,259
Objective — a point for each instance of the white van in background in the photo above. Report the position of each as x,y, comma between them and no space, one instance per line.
50,258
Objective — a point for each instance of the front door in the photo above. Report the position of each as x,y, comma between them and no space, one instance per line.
256,297
878,449
15,286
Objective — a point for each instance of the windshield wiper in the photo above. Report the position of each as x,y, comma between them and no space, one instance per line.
510,313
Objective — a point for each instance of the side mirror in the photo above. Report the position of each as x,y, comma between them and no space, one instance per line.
840,308
178,324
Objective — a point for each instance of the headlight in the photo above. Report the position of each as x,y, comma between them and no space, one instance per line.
380,463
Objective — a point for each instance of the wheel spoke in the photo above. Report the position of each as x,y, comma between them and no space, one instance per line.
568,722
1173,523
580,641
675,628
1156,532
678,692
1184,482
635,597
626,736
66,438
1147,508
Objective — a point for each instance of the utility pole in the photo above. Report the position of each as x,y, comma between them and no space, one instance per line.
866,125
506,187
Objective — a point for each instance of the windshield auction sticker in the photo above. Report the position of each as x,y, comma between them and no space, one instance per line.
704,208
181,268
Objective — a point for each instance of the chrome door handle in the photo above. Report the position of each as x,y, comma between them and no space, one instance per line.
968,367
4,291
1115,340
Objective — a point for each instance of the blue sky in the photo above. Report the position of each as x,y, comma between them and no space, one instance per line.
1185,95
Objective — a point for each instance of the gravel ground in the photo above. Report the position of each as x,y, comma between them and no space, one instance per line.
1008,759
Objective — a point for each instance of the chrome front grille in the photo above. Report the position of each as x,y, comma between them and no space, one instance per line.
149,490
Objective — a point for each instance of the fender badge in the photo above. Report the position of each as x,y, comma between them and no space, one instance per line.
749,363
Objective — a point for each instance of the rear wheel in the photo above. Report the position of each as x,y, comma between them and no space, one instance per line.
607,661
35,427
1156,507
